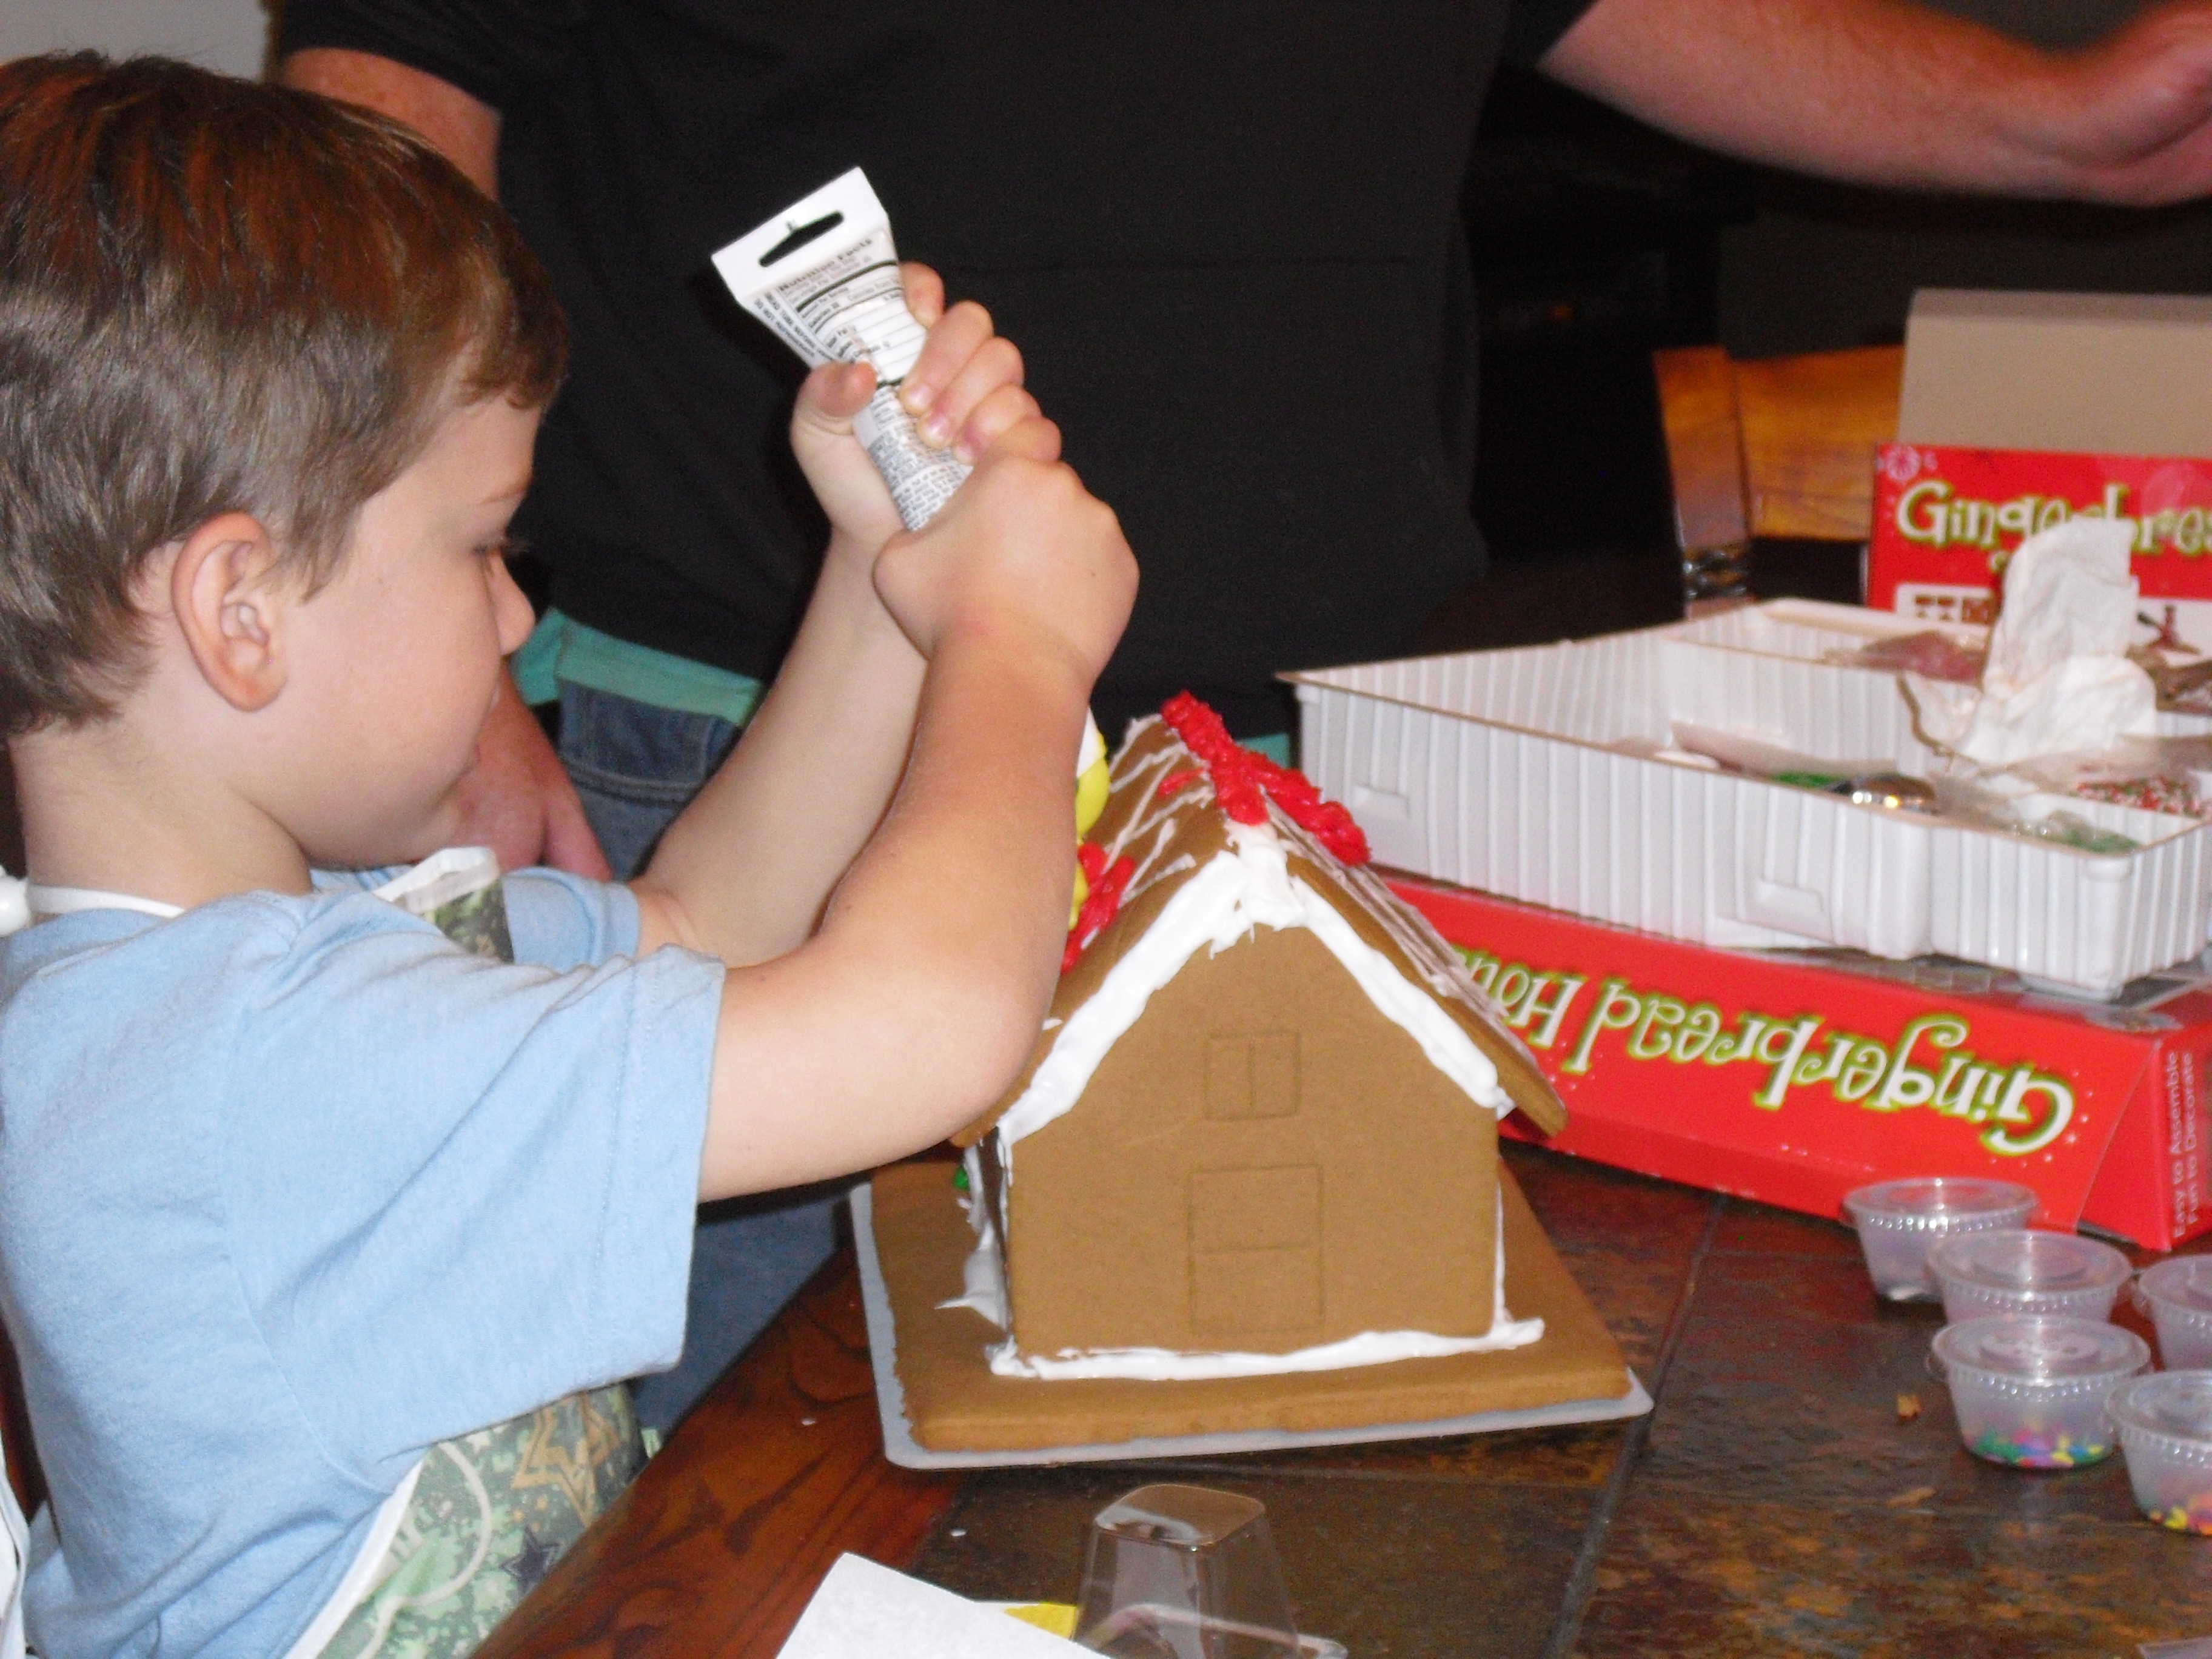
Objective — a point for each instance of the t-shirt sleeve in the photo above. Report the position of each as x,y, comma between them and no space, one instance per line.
457,1189
1532,28
494,49
563,921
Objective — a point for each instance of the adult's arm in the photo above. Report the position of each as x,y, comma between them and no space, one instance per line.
464,129
1885,91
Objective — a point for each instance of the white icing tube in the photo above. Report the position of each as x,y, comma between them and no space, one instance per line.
823,274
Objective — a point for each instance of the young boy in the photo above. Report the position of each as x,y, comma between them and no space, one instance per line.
291,1188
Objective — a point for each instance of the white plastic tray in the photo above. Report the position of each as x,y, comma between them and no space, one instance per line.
1505,770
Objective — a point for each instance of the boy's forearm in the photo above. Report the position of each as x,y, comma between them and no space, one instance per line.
920,1000
747,867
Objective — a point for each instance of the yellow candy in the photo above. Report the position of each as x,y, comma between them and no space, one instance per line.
1091,780
1057,1617
1092,786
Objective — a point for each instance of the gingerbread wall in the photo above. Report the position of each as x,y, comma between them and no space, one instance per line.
1262,1163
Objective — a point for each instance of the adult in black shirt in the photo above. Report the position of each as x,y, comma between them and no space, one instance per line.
1223,233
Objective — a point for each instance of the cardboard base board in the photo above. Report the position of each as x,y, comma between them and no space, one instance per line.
943,1408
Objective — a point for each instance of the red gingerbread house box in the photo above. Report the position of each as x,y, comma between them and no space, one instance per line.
1260,1132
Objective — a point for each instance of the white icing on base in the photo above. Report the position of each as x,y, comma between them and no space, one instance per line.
1247,885
1368,1348
982,1277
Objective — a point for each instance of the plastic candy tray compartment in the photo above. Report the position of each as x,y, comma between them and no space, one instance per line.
1495,769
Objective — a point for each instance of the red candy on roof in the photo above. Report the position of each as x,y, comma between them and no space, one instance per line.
1243,781
1101,904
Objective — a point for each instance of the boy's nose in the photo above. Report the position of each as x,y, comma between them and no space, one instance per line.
512,611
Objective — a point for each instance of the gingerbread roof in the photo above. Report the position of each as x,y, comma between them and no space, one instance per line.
1193,852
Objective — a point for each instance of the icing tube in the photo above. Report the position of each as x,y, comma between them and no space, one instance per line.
823,274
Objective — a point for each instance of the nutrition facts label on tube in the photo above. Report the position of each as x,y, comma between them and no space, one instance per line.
824,275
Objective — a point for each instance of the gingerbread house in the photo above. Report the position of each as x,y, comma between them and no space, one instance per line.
1259,1133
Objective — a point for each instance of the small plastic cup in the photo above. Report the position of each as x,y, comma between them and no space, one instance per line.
2024,1272
2177,1294
1188,1572
2165,1423
1898,1220
2028,1389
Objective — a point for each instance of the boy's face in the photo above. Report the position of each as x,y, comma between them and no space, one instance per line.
393,666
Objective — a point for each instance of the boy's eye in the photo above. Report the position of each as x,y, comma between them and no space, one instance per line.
507,547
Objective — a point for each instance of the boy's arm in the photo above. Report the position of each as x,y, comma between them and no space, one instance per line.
744,871
920,997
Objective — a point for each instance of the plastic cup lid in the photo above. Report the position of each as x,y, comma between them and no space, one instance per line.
2182,1281
2015,1261
2041,1348
1934,1202
2175,1403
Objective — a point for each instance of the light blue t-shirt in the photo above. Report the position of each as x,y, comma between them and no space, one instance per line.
292,1188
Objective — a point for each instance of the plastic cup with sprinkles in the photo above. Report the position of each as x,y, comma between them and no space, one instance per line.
2177,1294
2165,1423
1898,1220
2026,1272
2029,1390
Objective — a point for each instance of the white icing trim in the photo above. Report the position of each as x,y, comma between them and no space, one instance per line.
361,1577
983,1280
1368,1348
1245,886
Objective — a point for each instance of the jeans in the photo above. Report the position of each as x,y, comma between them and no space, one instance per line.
635,766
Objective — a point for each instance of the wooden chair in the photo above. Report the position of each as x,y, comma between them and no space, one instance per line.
1777,447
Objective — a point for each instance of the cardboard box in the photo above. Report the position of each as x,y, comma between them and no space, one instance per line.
1793,1076
2018,411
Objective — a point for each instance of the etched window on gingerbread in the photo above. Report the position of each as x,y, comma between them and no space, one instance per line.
1251,1076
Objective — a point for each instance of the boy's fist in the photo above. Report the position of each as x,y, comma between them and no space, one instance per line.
965,391
1022,555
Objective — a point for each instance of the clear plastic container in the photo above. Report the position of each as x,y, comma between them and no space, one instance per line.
2165,1424
2024,1272
2177,1294
1898,1220
2028,1389
1188,1572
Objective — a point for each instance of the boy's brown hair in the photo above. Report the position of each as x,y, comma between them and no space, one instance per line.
217,295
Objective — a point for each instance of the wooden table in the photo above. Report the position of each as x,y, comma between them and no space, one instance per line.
1776,1502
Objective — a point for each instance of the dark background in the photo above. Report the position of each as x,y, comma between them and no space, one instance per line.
1598,240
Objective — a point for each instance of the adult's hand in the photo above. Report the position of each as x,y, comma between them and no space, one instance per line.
1885,92
516,798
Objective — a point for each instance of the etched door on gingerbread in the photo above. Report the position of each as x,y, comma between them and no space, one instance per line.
1255,1267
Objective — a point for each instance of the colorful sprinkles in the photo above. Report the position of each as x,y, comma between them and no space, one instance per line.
2150,794
2040,1451
2195,1515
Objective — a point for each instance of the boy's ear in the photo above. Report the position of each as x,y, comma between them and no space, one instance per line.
229,599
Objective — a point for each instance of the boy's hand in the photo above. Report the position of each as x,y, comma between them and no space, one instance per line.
965,390
1023,554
